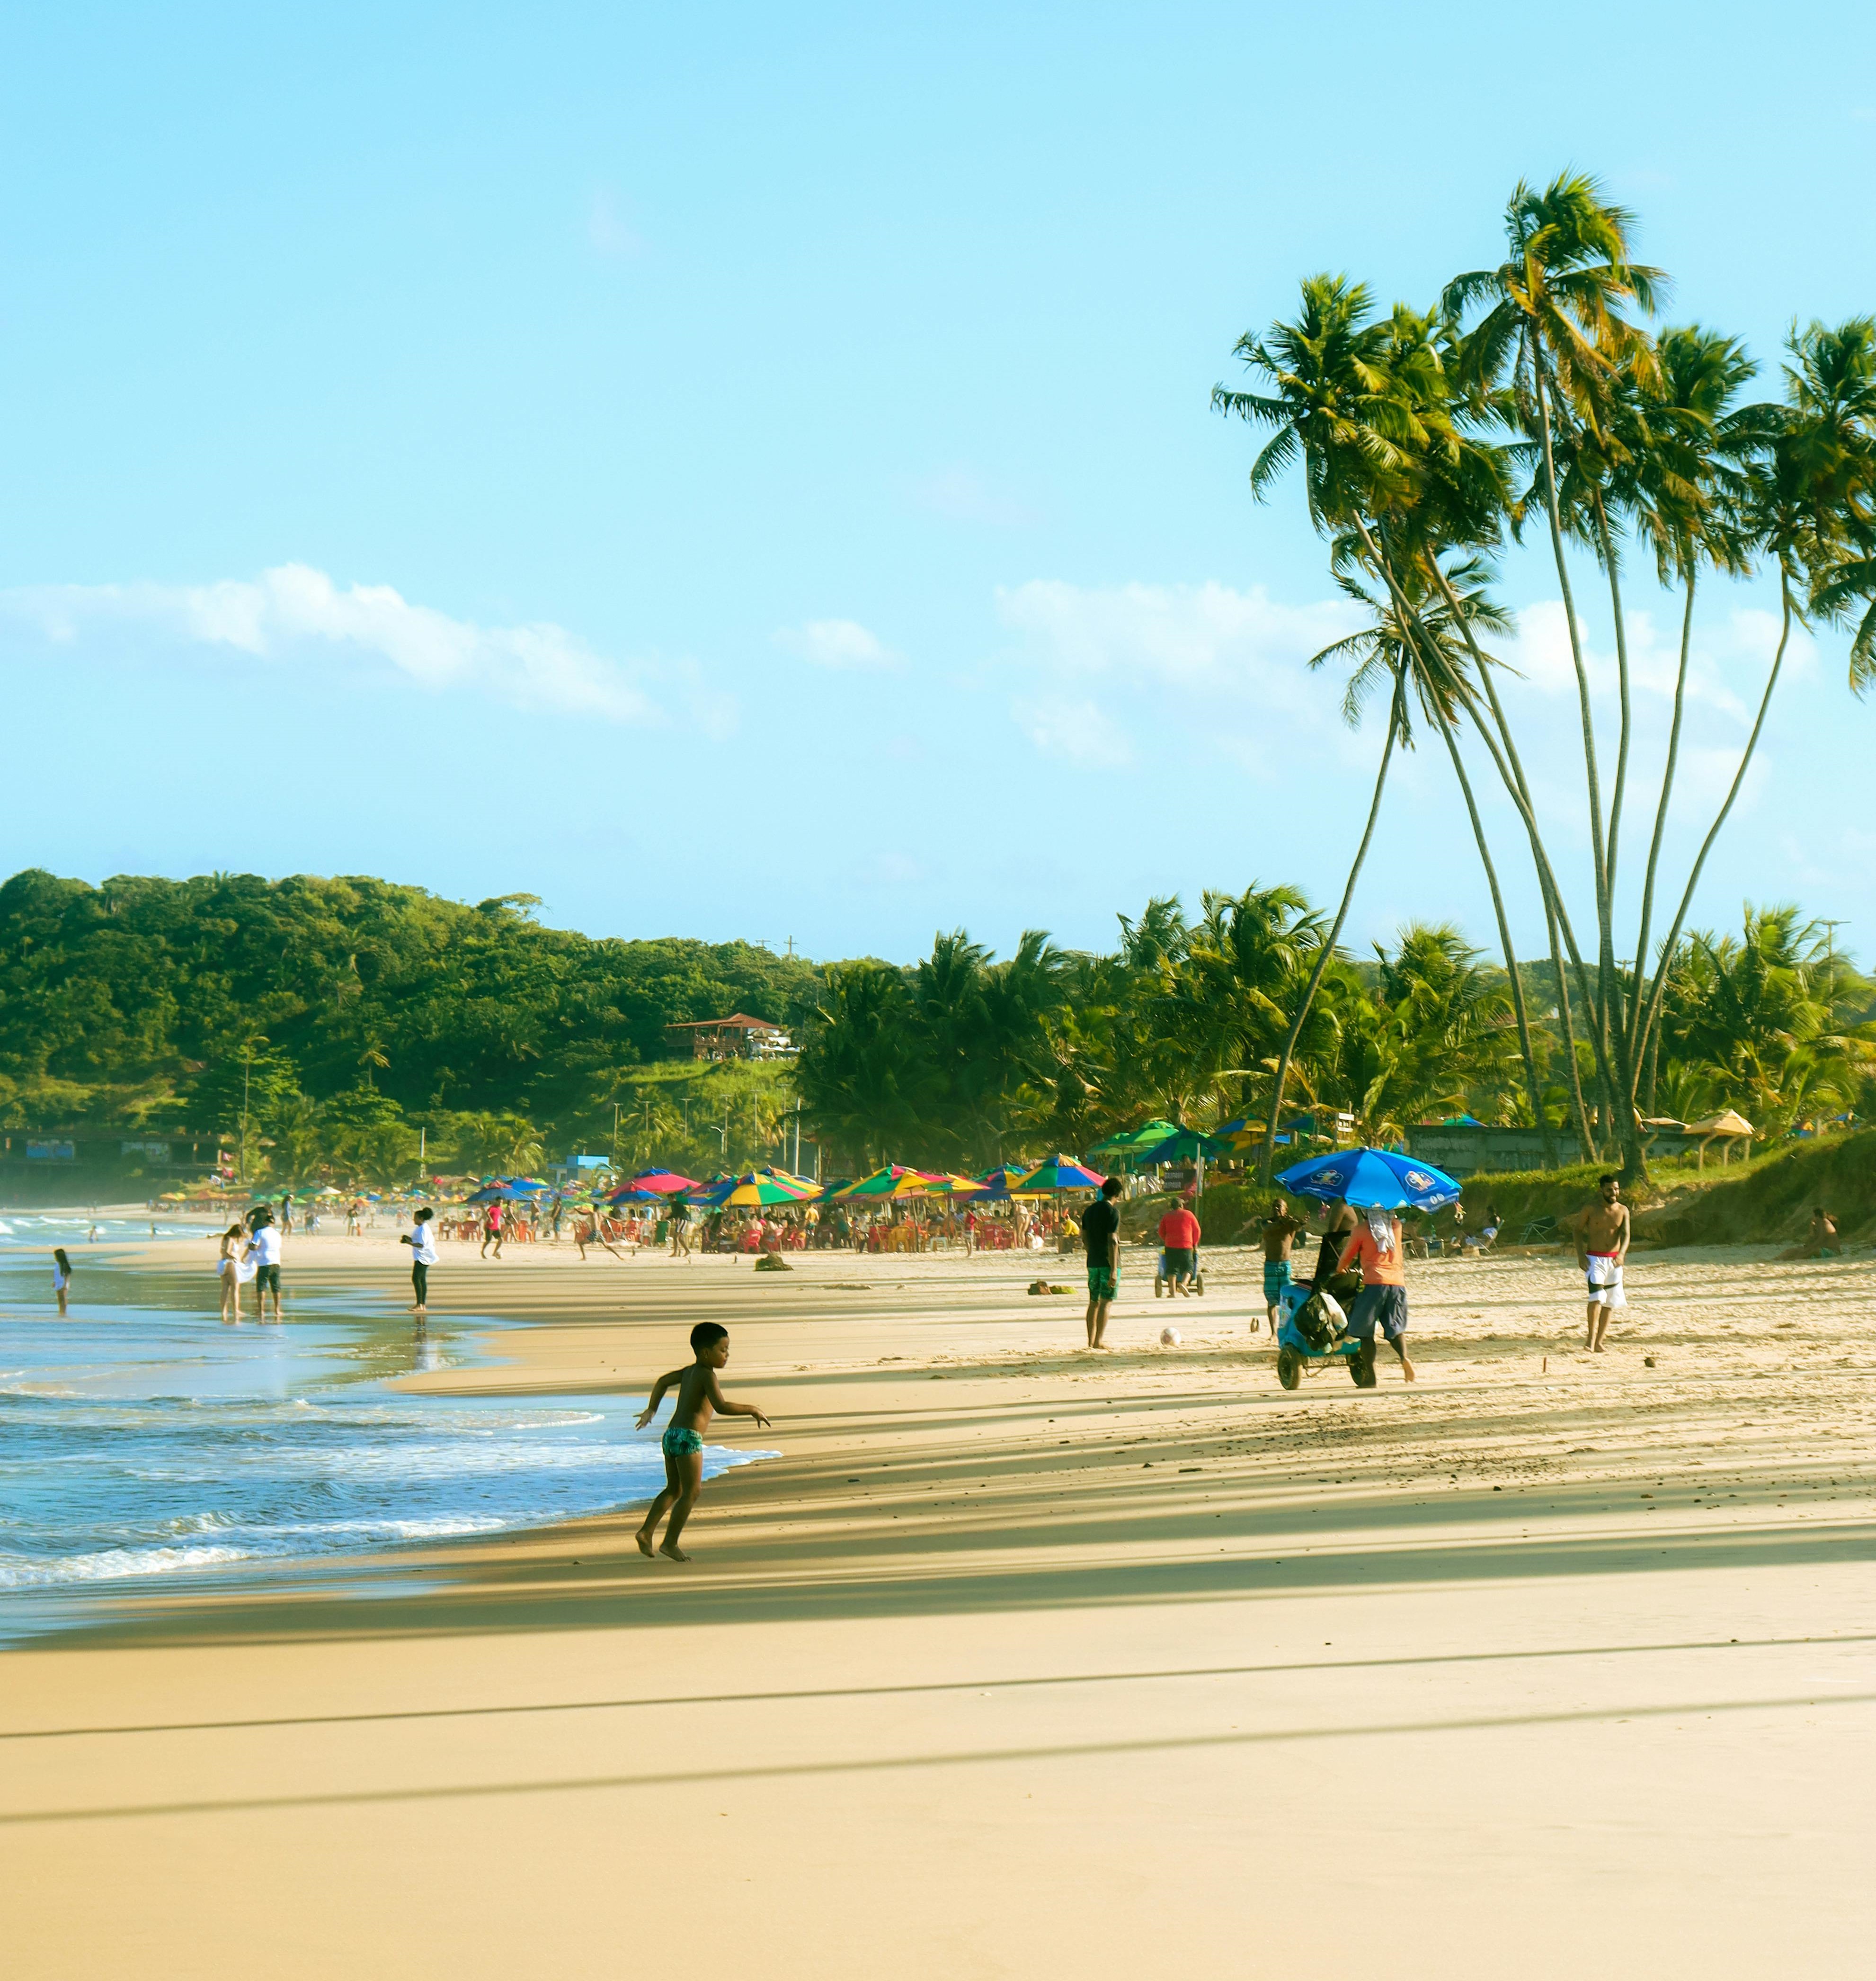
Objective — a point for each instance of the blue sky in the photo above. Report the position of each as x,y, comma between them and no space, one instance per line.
748,472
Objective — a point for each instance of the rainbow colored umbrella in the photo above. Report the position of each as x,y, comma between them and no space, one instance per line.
996,1182
893,1181
757,1187
1059,1172
943,1185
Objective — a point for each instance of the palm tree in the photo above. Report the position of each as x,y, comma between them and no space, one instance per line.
1554,322
1689,493
1429,649
1806,505
1358,402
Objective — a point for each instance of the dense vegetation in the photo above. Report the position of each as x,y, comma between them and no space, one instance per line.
344,1015
963,1060
336,1019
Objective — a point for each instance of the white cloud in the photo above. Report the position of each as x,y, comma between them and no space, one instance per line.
1077,731
1186,634
839,644
295,612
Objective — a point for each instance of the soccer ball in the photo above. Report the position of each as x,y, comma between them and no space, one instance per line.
1168,1337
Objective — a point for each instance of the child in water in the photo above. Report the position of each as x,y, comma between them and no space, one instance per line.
698,1397
62,1276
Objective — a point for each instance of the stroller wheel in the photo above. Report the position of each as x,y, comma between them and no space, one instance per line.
1198,1284
1290,1367
1361,1366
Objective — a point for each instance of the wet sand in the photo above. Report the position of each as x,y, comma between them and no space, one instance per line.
1018,1660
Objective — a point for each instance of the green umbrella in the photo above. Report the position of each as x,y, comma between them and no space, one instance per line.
1129,1140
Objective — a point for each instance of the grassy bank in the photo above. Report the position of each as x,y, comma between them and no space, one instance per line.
1764,1201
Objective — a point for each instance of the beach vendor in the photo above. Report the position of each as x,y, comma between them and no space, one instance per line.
1378,1247
1180,1235
1280,1233
1342,1225
1100,1238
1602,1236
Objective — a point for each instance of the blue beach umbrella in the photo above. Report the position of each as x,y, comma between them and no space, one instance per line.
1372,1176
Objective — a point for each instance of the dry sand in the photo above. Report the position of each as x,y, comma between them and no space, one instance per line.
1022,1662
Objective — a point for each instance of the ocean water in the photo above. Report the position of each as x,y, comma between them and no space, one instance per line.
142,1439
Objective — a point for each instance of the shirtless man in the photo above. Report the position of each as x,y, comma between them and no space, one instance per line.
1602,1236
1280,1233
1821,1242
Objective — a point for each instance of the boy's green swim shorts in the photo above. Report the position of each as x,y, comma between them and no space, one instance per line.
1103,1282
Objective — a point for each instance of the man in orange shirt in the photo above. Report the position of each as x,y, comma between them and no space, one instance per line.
1383,1297
1179,1234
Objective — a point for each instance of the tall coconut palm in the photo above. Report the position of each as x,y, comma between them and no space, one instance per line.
1356,401
1429,650
1555,323
1809,495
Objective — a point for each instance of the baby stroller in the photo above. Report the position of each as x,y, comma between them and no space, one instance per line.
1312,1333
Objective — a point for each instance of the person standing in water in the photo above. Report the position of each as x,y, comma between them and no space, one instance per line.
61,1277
229,1268
264,1249
423,1256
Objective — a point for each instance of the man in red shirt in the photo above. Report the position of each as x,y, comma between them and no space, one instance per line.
1179,1234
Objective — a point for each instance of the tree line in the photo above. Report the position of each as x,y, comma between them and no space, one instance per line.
962,1061
336,1020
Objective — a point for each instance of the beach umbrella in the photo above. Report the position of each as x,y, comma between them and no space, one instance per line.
943,1185
893,1181
996,1182
1182,1145
1129,1140
1059,1172
757,1187
528,1186
494,1193
1376,1177
653,1182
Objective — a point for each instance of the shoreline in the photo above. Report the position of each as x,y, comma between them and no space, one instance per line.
1004,1617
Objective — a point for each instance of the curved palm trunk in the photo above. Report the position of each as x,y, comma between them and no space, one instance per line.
1599,1007
1653,1014
1538,1117
1328,945
1511,773
1661,826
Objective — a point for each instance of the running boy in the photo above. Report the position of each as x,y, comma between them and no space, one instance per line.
698,1397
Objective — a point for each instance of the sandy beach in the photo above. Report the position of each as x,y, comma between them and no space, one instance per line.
1016,1660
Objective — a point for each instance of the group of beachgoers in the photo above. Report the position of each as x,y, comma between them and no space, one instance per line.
1361,1261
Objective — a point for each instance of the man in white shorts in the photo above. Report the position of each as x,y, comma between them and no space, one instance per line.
1602,1236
